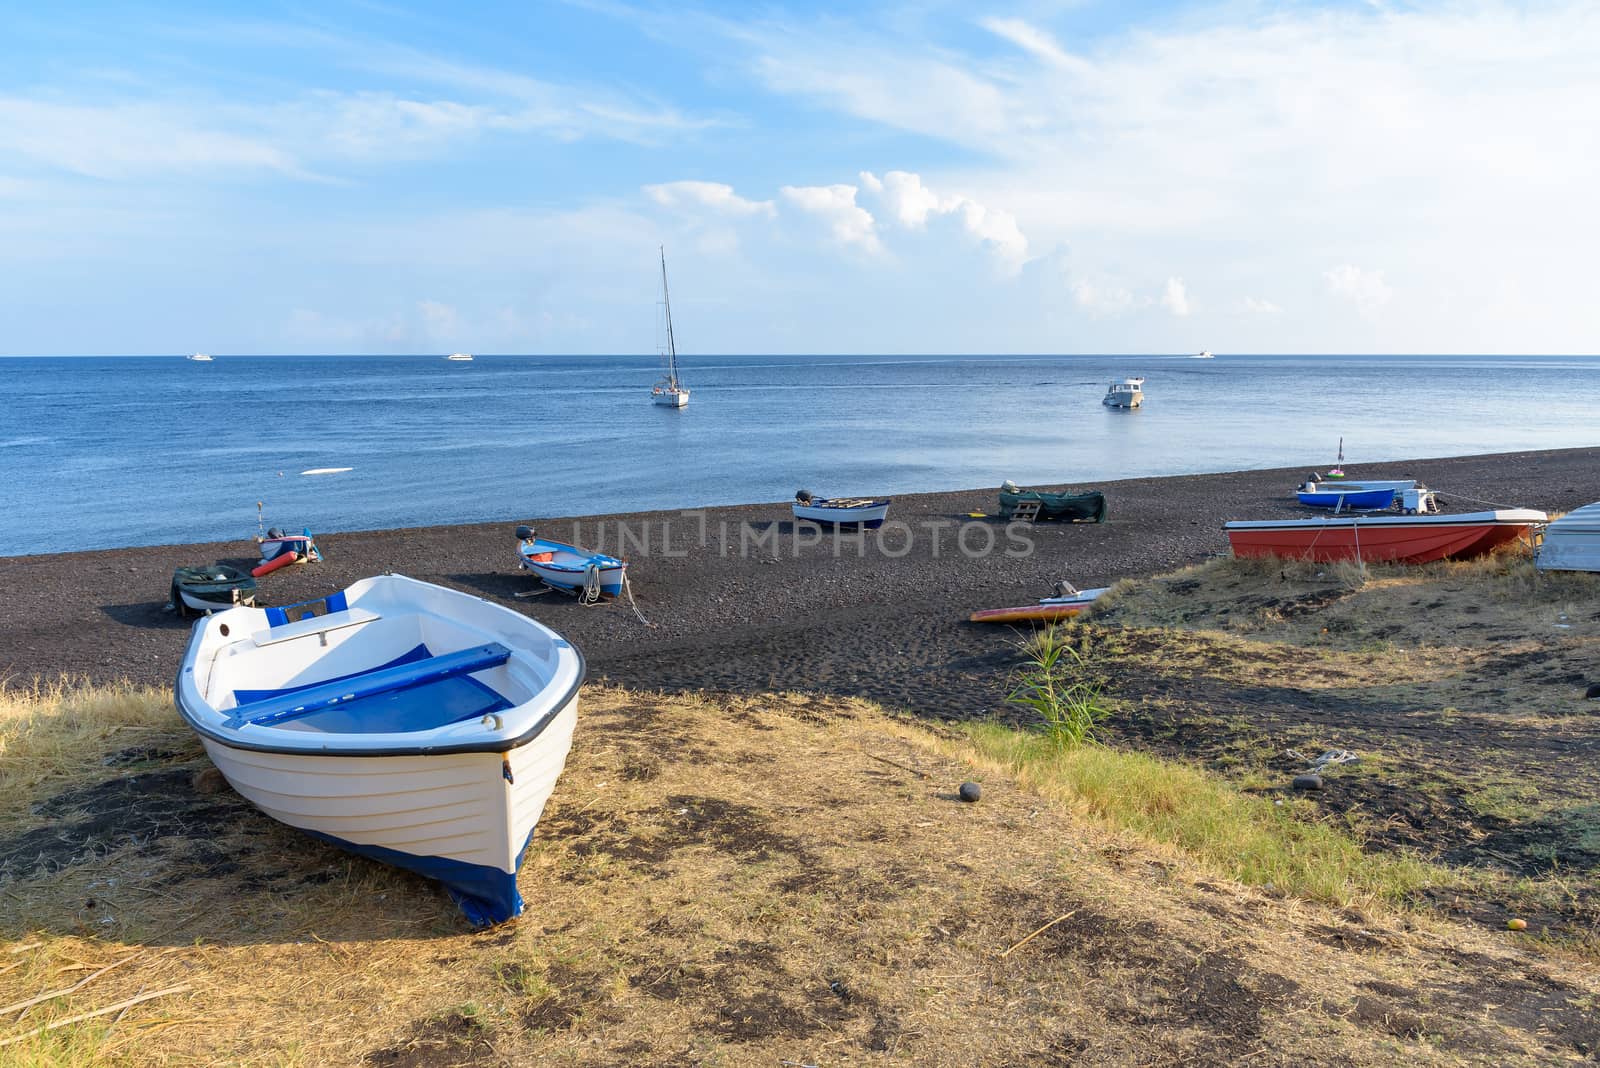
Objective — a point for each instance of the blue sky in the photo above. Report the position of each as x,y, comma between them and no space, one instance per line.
1026,177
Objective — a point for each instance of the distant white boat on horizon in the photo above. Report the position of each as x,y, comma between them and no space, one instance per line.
1204,354
200,357
460,357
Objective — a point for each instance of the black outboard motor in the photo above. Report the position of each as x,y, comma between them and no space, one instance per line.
803,496
524,533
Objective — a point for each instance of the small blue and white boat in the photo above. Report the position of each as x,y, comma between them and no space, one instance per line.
864,512
569,568
1341,499
409,723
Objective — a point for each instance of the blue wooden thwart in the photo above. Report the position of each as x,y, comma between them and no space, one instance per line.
316,698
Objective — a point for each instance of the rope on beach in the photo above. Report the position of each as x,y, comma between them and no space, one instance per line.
590,593
627,590
1475,500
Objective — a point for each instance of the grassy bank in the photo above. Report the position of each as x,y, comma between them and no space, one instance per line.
726,881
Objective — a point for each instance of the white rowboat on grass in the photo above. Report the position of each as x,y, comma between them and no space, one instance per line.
406,722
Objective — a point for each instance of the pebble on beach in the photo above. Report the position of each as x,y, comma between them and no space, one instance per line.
971,791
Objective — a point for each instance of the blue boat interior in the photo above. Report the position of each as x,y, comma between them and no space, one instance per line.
415,691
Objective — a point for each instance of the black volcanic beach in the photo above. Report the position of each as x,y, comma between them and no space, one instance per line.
740,600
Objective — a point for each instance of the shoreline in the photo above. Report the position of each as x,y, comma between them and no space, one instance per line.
782,612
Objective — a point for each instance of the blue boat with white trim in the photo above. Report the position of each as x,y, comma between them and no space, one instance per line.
569,568
1345,498
410,723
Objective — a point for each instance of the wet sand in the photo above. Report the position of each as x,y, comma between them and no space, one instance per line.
739,598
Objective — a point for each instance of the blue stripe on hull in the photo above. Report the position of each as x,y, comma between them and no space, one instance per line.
613,589
486,895
871,524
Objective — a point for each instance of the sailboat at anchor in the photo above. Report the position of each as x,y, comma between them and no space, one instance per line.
669,391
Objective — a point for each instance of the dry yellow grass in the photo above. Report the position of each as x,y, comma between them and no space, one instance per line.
724,881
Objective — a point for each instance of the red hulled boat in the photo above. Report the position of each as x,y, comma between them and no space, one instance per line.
1404,539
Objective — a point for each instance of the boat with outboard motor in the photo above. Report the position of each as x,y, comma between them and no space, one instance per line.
568,568
866,512
413,724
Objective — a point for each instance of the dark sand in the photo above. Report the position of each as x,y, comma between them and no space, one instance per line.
845,618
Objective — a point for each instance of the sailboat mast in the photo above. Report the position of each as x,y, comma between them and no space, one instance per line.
672,345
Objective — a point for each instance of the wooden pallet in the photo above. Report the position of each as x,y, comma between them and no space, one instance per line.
1025,511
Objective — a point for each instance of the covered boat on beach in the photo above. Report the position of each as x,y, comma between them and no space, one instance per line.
409,723
1089,507
1404,539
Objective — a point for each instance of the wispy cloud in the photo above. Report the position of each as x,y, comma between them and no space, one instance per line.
1365,289
1175,297
715,196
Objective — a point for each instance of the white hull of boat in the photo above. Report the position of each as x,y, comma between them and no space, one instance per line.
416,725
459,357
866,515
202,606
670,398
569,567
1572,543
453,806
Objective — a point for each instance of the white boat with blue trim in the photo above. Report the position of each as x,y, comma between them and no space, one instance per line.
864,512
409,723
569,568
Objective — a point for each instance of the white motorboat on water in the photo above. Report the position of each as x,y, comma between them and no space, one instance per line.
569,568
413,724
1204,354
866,512
669,392
1129,393
200,357
460,357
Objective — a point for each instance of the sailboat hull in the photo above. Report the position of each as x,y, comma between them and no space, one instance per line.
671,398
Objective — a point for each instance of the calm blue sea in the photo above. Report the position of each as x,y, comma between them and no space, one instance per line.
118,451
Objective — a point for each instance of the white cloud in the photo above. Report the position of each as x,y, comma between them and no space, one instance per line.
1100,299
1175,297
1259,306
1365,289
438,319
911,204
908,200
714,195
1205,139
836,205
119,140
